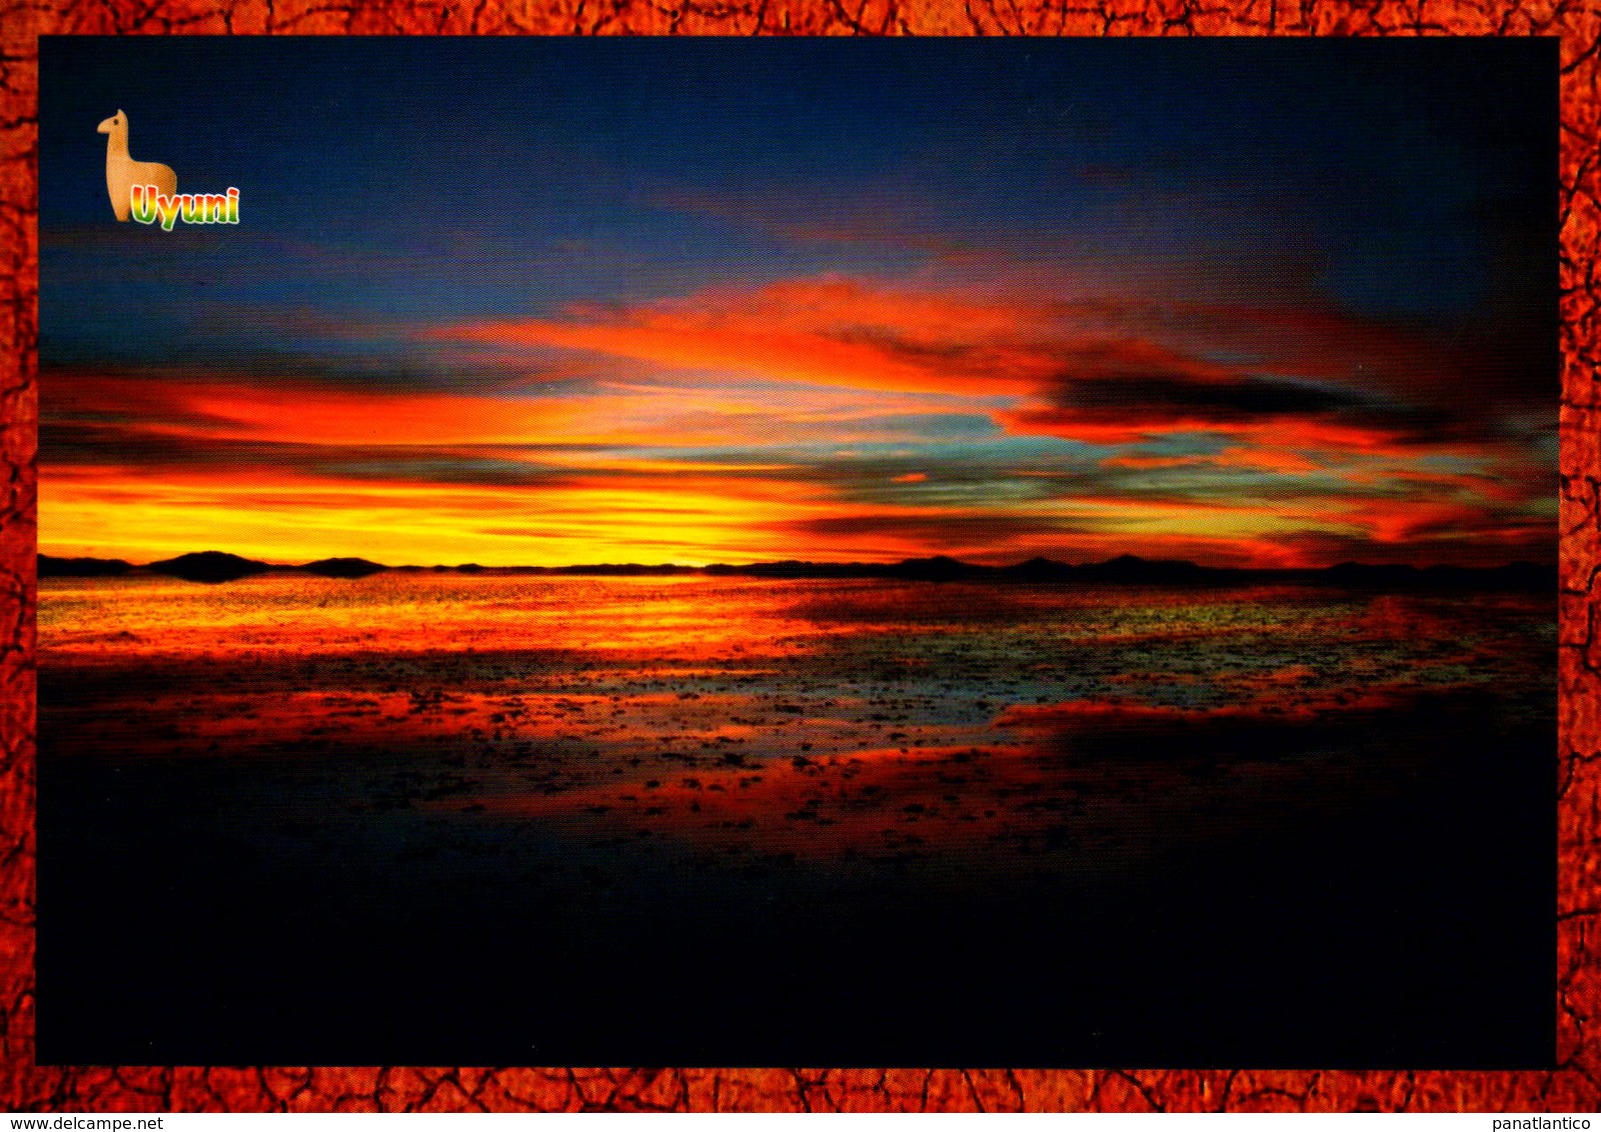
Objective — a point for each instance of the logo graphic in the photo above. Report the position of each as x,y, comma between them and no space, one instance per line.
148,190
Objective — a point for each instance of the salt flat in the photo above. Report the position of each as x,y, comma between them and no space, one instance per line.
443,818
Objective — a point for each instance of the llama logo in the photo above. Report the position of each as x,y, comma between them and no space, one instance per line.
148,190
123,173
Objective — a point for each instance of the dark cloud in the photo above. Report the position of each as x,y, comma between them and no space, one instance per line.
937,529
1232,401
1488,546
1130,388
66,445
947,356
373,367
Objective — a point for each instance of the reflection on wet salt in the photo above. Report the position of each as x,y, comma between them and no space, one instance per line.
409,614
840,721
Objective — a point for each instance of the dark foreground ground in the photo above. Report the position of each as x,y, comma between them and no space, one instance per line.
1239,883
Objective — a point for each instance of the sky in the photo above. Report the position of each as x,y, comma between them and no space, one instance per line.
555,301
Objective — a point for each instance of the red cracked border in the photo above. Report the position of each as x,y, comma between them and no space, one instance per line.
1574,1085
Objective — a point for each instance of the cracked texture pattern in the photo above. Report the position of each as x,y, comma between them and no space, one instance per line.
1574,1085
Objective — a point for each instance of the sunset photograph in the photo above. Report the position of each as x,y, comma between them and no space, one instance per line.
722,552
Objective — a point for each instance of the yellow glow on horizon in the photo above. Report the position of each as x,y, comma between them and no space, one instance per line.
680,518
655,512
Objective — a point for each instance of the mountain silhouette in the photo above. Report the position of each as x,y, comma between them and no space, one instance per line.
1125,569
81,567
208,566
343,567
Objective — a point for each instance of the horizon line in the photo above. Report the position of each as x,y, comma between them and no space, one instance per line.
949,560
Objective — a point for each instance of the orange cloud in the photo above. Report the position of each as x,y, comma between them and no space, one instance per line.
1107,372
1265,459
830,332
737,425
627,415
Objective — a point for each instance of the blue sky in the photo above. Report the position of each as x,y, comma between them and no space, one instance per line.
1286,299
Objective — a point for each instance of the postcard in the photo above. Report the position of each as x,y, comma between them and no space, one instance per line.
931,553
